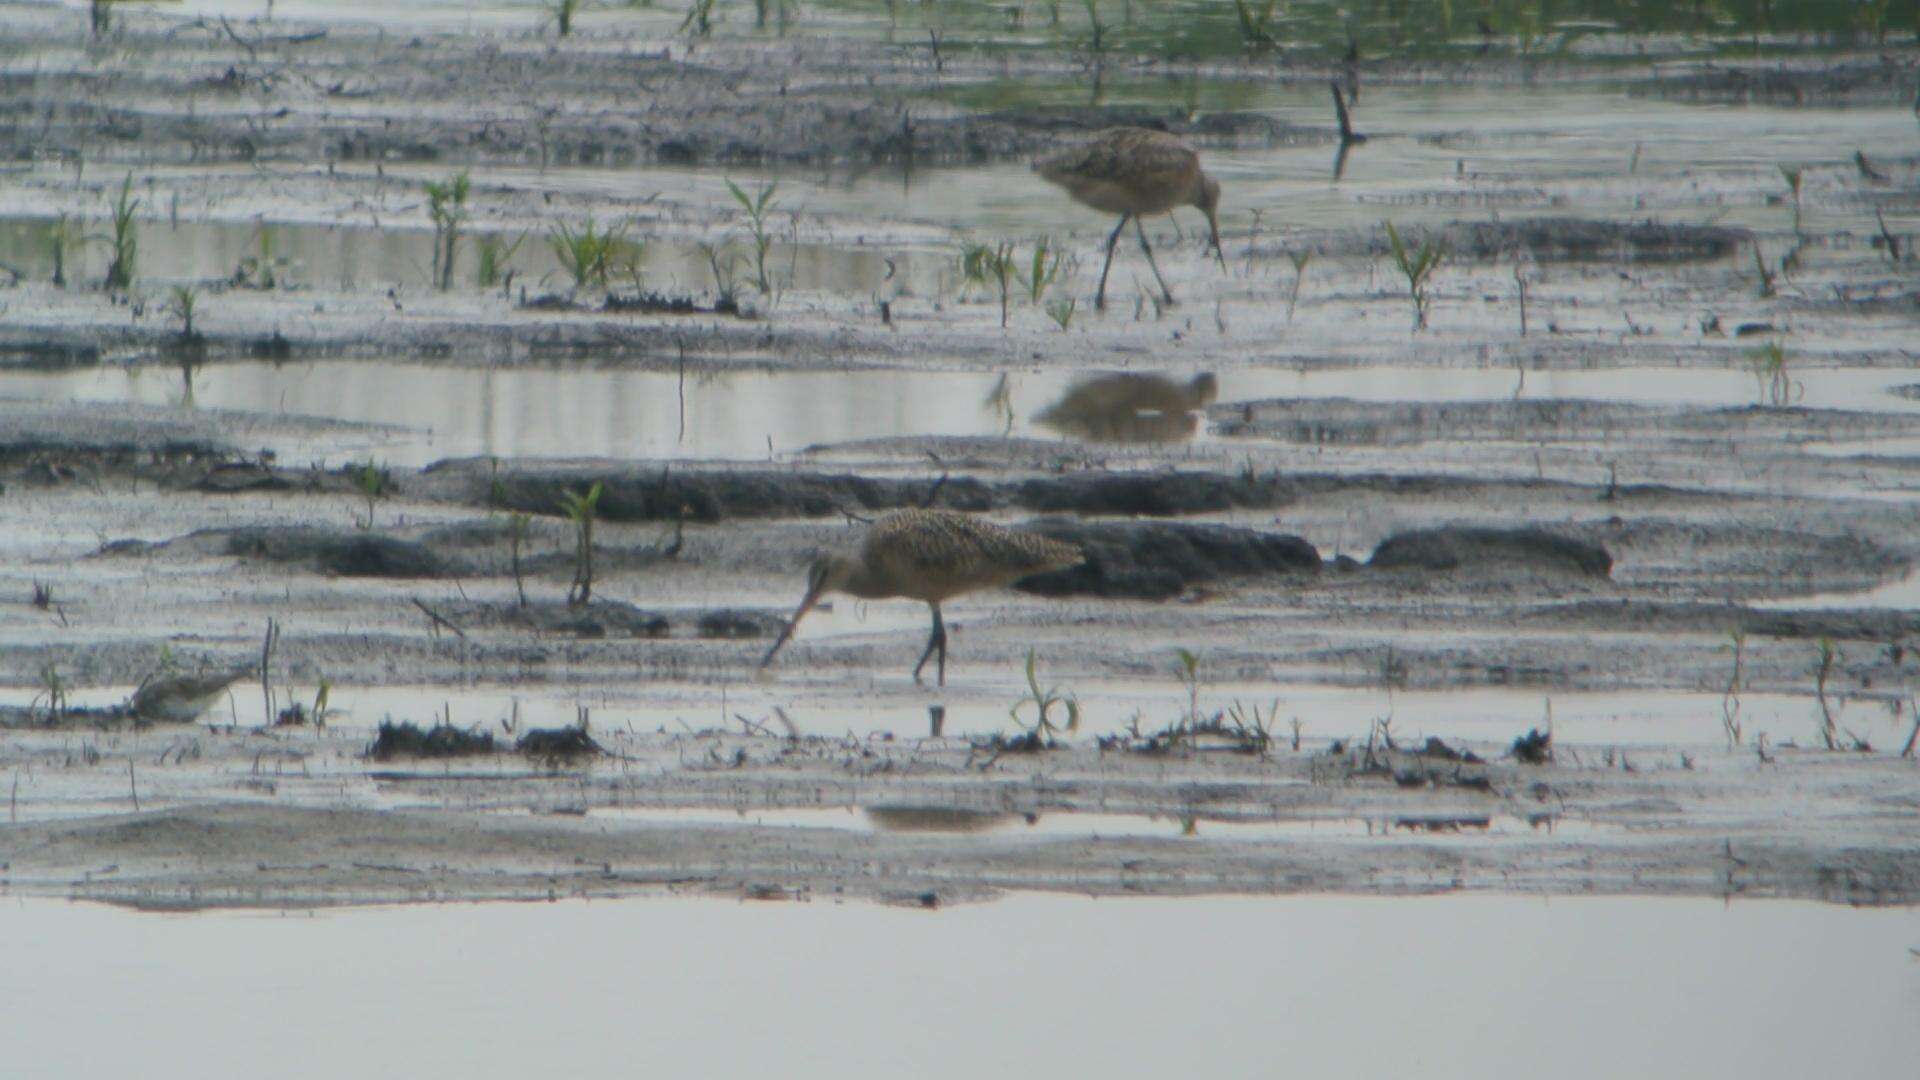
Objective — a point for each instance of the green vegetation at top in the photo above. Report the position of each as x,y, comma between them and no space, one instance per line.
1426,29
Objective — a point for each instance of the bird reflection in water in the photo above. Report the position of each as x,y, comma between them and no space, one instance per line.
1129,408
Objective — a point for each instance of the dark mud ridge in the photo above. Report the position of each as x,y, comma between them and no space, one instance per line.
611,618
41,718
1161,560
639,493
1455,548
25,354
54,443
1551,239
663,495
1567,239
1024,132
348,553
55,462
1886,80
1156,561
65,347
1885,626
1347,422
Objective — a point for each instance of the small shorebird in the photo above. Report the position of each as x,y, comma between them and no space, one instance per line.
1134,172
180,699
932,556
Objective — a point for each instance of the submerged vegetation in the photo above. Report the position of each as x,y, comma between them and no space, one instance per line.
1778,387
123,241
580,508
591,254
1257,30
447,207
1417,266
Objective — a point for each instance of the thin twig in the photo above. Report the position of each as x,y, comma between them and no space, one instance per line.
1347,135
266,670
438,619
1893,242
933,493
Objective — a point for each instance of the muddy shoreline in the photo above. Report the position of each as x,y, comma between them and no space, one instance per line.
932,822
1648,466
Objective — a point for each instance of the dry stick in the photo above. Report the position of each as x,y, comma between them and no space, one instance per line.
1347,135
517,531
1913,706
1520,280
13,800
1730,701
1829,729
933,493
1893,242
266,668
133,787
1348,138
438,619
682,437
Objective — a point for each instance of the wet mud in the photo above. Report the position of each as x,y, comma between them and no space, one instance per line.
1646,430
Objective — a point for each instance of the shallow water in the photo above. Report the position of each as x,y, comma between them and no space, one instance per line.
757,415
1000,827
1467,986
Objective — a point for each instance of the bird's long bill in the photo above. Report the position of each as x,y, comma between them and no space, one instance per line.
806,604
1213,223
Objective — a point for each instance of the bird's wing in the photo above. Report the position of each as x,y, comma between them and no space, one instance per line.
944,546
1121,154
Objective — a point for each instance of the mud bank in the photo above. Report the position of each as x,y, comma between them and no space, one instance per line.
933,822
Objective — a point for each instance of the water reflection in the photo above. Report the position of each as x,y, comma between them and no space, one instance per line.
936,819
1124,407
748,415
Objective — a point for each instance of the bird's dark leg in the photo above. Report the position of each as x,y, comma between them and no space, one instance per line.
1100,298
935,641
1141,231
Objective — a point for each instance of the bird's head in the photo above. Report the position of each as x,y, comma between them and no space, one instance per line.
827,572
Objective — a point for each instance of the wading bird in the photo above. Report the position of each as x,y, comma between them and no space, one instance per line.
180,699
1134,172
931,556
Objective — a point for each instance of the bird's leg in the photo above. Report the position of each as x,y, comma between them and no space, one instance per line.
940,629
935,641
1140,231
1100,298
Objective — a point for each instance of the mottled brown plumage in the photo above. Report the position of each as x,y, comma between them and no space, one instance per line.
180,699
1134,172
931,556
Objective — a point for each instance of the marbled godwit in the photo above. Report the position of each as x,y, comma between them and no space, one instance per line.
1128,407
180,699
1134,172
932,556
